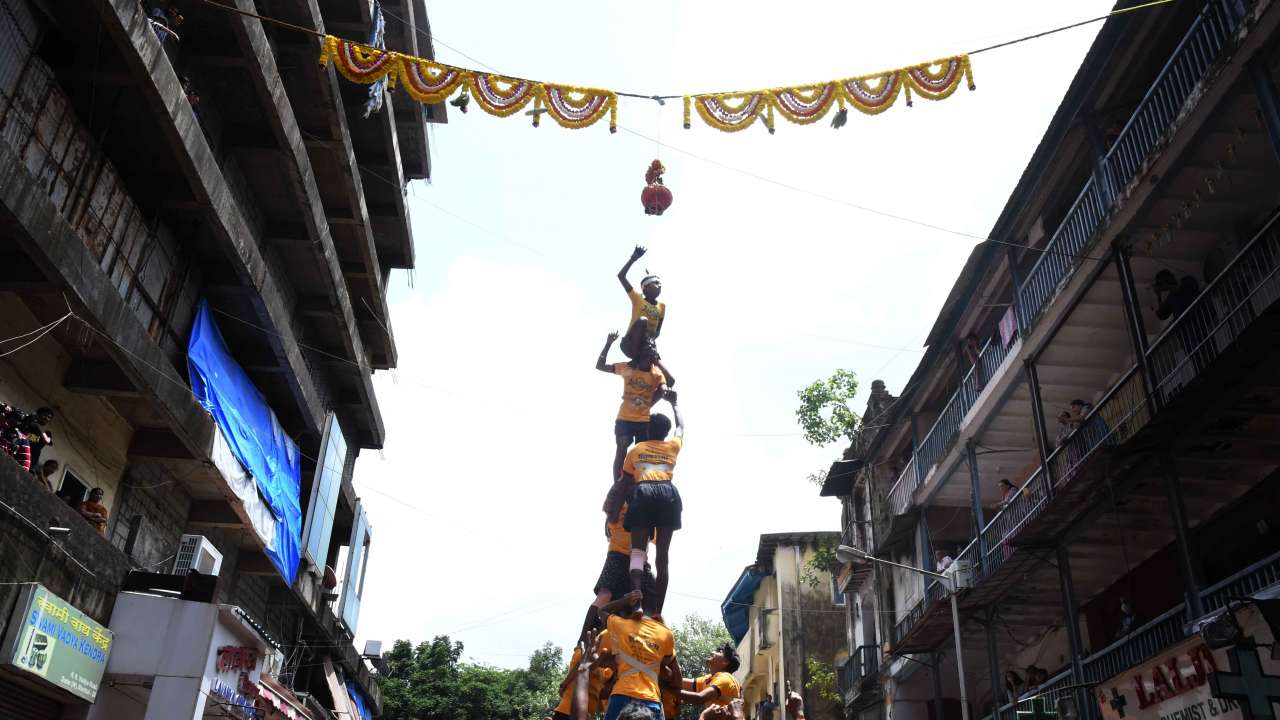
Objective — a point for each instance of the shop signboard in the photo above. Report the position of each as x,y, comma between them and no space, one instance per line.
1190,681
50,640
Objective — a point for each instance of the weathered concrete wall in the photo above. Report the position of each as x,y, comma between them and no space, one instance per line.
28,555
89,436
149,490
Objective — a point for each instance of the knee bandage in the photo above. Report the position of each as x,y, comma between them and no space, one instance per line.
638,559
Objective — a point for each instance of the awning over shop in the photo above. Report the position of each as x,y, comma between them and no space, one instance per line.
281,699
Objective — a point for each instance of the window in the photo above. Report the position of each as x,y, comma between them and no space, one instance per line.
73,490
357,563
837,597
325,486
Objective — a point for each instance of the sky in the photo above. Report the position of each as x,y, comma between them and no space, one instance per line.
485,500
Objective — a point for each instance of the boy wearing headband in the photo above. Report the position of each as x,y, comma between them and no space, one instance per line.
647,313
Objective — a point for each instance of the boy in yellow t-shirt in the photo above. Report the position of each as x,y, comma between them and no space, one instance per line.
717,688
653,503
643,650
601,674
647,314
644,381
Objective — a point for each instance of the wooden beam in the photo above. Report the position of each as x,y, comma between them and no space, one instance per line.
213,513
91,376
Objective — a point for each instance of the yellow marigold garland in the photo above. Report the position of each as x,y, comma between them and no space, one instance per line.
577,107
804,104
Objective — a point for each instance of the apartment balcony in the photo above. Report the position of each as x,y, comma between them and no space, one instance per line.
858,677
1143,643
1228,333
1177,89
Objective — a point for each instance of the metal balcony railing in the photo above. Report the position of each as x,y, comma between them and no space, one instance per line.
1146,128
1246,288
941,437
1121,413
862,664
1152,638
1219,315
1168,95
903,489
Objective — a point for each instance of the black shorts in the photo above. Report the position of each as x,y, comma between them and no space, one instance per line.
616,576
655,505
633,430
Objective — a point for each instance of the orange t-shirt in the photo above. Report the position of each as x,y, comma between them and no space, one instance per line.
724,681
638,387
653,460
599,676
639,646
99,508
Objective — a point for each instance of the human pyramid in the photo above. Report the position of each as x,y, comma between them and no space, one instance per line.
625,663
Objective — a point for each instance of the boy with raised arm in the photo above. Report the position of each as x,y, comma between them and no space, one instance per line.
653,503
718,687
647,313
644,381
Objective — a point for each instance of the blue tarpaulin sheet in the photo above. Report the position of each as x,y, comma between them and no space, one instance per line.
357,699
252,431
736,609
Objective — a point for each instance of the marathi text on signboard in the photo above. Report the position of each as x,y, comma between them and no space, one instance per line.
50,639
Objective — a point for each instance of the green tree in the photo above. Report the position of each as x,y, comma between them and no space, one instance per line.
822,680
824,413
696,638
428,682
823,561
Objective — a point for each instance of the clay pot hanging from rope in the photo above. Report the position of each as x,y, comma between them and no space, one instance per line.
656,197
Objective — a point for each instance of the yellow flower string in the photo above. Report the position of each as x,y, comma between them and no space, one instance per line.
574,107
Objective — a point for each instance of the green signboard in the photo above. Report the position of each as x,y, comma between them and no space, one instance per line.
51,640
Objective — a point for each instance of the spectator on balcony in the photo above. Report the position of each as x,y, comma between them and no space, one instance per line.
1127,619
1096,430
1036,676
15,441
34,426
1014,685
1008,493
941,560
94,511
165,22
1173,297
1065,428
45,473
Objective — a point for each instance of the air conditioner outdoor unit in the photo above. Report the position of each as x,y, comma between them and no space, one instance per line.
195,552
961,574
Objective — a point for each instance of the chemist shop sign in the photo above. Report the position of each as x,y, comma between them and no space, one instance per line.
1191,682
52,641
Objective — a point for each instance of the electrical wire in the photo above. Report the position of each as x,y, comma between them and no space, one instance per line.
42,332
888,215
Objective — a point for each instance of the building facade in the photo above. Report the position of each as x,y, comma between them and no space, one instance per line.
198,224
782,612
1090,438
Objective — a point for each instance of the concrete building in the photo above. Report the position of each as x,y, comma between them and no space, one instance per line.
783,611
169,165
1112,355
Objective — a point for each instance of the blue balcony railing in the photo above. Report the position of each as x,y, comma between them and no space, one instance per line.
942,435
1146,129
862,664
1149,640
